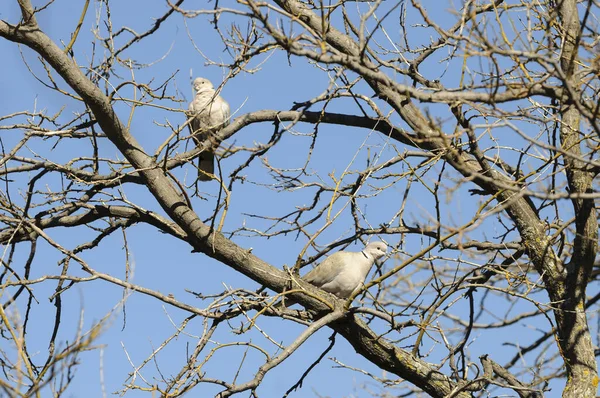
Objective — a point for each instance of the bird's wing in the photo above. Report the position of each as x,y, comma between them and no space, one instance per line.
219,113
226,112
327,271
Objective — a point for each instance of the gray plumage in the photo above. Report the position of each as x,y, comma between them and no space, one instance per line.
344,272
210,113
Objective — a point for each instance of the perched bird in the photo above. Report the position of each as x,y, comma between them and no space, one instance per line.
210,113
344,272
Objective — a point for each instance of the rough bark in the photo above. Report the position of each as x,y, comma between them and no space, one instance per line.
574,336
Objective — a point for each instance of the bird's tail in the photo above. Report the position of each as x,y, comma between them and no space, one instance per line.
206,165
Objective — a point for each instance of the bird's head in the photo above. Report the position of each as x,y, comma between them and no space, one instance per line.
376,249
201,84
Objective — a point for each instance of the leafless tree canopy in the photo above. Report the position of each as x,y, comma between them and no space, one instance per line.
476,156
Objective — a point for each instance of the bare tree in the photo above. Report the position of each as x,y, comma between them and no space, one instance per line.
477,165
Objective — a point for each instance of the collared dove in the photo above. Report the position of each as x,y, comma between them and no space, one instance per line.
210,113
344,272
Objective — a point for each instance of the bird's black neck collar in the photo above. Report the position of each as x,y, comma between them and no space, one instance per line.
365,254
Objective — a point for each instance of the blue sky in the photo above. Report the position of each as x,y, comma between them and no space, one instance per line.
162,263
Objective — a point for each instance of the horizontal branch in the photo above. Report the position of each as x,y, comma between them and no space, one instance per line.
94,213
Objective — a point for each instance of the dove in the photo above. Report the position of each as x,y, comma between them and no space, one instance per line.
210,113
344,272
